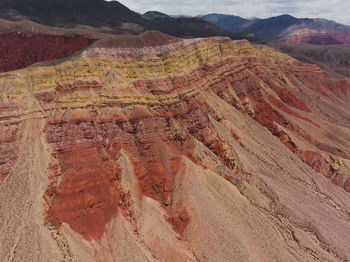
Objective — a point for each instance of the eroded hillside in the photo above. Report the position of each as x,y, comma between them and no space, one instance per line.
193,150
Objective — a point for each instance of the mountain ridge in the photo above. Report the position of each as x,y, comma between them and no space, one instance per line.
229,22
288,28
111,16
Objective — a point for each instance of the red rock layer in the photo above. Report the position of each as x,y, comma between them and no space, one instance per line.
329,38
47,97
347,185
321,165
8,149
147,39
180,221
341,89
262,106
85,189
87,196
265,108
20,50
77,85
8,140
247,86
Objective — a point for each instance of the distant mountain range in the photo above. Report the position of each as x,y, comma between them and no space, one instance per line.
117,18
108,17
286,28
229,22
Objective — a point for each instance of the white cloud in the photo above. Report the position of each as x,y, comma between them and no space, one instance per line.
337,10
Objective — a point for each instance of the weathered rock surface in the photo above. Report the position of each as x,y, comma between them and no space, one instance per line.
195,150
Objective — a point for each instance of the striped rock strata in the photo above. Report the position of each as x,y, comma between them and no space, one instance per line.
197,150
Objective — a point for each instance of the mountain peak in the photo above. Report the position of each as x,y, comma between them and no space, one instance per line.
155,15
228,22
286,16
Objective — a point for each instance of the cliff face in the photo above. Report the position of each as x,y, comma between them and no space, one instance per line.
20,50
196,150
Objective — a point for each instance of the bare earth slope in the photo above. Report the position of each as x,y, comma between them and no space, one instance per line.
334,59
189,150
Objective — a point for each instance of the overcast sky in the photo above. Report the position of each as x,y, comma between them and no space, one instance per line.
338,10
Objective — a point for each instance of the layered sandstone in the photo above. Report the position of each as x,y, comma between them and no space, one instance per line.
194,150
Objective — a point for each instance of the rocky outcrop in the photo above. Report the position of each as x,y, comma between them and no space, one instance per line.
151,153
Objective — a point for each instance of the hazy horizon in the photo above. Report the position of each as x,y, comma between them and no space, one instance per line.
336,10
